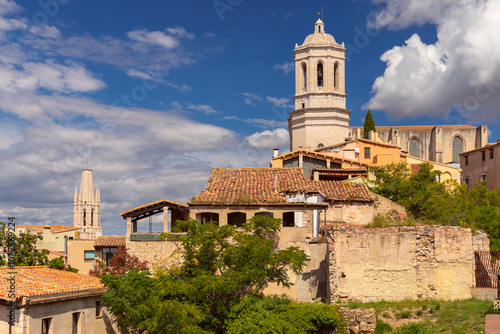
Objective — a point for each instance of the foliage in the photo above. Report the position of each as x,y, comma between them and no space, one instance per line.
221,266
443,203
58,263
280,315
405,314
416,328
121,263
26,253
382,327
369,124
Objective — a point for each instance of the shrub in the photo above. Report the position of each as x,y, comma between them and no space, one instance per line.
415,328
383,327
420,313
405,314
386,315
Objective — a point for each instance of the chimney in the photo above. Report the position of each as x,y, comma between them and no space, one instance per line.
358,133
276,152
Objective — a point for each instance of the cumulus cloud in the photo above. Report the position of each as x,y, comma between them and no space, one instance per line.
277,138
286,67
45,31
458,73
168,40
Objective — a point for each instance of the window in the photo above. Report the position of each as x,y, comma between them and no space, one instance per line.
336,75
89,255
483,177
107,254
414,148
303,105
320,145
46,322
491,153
466,158
98,309
320,75
84,217
466,181
76,318
457,148
367,153
483,155
304,76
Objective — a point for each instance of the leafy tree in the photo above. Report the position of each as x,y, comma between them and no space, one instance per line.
369,124
121,263
281,315
26,253
435,202
58,263
221,266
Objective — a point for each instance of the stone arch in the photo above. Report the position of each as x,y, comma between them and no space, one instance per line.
457,147
415,147
445,176
336,74
320,73
303,67
236,219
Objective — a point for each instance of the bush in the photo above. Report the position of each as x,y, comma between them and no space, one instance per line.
405,314
416,328
420,313
383,327
386,315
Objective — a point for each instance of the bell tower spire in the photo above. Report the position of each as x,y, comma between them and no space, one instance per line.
320,116
87,208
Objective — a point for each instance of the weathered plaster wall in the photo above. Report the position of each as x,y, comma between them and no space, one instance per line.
159,254
401,262
76,254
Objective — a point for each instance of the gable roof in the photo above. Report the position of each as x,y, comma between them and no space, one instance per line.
314,154
110,241
39,281
53,228
247,186
157,204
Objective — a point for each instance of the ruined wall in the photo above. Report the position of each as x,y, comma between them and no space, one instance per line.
371,264
159,254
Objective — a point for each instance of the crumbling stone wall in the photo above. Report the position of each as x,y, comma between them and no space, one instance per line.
394,263
159,254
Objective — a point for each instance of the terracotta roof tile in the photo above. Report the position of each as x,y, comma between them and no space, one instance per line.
43,281
53,228
257,186
110,241
145,206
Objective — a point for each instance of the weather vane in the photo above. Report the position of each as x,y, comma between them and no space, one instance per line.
319,15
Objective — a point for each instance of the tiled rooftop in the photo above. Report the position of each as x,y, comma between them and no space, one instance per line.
53,228
257,186
110,241
165,202
43,281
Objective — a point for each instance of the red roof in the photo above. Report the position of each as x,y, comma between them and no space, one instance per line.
258,186
53,228
110,241
43,281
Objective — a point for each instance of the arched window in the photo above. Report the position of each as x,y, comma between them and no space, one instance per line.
84,217
336,75
457,148
320,75
414,148
92,218
304,76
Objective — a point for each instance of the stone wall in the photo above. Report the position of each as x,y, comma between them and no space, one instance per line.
159,254
394,263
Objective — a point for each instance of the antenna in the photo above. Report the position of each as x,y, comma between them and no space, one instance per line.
322,14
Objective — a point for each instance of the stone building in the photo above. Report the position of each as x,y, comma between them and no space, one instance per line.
321,119
482,164
50,301
87,208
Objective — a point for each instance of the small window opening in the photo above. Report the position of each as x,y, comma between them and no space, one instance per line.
303,105
336,75
320,75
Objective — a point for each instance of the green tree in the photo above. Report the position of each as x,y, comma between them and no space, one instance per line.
121,263
369,124
26,253
221,266
443,203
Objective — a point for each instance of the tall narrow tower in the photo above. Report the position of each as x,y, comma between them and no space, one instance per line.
87,208
320,117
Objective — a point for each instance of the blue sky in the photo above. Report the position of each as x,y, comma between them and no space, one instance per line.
156,93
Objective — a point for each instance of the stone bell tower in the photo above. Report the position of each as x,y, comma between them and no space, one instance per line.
320,117
87,208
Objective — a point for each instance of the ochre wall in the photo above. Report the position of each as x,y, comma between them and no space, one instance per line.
401,262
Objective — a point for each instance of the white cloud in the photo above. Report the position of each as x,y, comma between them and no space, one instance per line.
168,41
206,109
459,73
279,102
266,122
45,31
286,67
399,14
277,138
138,74
250,98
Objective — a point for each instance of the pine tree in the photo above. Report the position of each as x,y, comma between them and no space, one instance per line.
369,124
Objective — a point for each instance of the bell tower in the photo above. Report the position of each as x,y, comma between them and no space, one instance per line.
320,117
87,208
